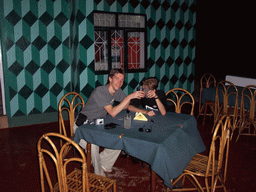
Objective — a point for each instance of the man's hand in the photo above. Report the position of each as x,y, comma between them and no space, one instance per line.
137,95
151,94
151,113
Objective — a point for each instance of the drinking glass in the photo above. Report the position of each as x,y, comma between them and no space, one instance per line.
127,121
139,88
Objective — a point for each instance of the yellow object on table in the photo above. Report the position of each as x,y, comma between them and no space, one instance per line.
139,116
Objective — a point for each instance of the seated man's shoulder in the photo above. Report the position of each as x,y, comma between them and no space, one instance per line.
160,92
101,88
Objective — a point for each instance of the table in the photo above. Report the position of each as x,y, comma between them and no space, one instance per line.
168,148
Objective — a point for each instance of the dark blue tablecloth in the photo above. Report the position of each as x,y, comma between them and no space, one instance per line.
168,148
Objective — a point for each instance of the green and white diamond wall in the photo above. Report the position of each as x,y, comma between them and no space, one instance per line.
48,49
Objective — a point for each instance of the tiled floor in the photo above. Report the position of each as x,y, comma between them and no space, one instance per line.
19,162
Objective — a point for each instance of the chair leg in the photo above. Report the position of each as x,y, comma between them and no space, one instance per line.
207,185
193,180
196,183
215,184
205,109
241,128
200,111
114,187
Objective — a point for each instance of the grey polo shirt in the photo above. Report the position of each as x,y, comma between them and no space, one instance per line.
101,97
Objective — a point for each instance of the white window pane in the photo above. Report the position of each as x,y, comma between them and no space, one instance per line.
104,20
132,21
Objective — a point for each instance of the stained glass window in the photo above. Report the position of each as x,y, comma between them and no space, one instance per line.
120,42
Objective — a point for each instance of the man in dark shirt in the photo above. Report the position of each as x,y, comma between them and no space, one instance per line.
154,99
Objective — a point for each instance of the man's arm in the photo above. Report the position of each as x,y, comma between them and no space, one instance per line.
135,103
145,112
163,101
160,105
113,111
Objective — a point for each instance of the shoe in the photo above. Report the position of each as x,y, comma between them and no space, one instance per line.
123,155
106,170
135,160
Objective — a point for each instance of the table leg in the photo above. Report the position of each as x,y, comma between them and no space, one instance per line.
153,181
88,147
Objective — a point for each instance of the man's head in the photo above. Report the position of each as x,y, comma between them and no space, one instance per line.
151,83
115,71
116,78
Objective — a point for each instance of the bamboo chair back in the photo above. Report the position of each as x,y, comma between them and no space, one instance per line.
179,97
71,170
206,81
70,103
226,92
247,113
50,154
218,155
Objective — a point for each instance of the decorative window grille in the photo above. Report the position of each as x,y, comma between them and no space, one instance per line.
120,42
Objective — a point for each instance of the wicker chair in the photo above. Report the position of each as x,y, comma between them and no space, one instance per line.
180,97
225,92
69,172
212,168
70,103
207,81
247,122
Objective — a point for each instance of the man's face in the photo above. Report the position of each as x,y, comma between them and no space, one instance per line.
116,81
146,89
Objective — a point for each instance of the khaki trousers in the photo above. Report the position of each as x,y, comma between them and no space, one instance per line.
106,158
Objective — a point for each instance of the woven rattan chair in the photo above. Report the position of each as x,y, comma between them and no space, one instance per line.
179,97
225,92
69,104
207,81
69,173
212,168
247,122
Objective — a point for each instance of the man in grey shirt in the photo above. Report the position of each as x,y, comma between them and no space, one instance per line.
98,105
101,97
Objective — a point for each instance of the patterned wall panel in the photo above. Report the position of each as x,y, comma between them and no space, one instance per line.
36,40
171,42
48,48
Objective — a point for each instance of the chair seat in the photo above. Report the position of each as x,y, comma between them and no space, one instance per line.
96,182
198,165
